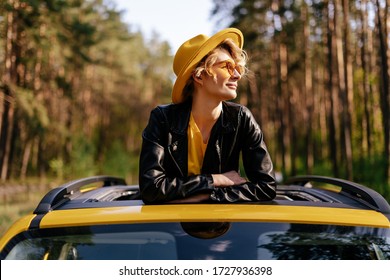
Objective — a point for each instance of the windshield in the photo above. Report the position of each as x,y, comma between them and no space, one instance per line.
214,241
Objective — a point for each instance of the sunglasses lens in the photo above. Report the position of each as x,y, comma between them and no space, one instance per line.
231,67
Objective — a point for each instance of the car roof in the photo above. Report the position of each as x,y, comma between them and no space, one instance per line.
110,191
213,212
106,199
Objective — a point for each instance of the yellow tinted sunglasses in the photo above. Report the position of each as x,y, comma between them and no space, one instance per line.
230,66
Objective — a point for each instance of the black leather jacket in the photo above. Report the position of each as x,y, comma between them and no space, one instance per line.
164,156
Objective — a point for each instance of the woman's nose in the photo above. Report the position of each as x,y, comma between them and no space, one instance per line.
236,74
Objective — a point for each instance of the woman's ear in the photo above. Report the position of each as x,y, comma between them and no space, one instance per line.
197,78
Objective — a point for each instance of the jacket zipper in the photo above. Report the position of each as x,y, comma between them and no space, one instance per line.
173,147
218,148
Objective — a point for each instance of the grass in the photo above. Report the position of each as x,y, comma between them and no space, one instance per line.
11,213
17,200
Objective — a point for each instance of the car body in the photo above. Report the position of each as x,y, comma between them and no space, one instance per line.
101,217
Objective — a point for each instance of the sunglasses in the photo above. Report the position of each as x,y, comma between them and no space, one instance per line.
229,65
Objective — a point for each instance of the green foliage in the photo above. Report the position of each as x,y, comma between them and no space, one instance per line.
82,161
31,109
57,167
81,70
370,171
119,162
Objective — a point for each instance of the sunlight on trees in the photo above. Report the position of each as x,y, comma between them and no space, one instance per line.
77,86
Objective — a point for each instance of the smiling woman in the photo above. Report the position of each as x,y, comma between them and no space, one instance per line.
191,148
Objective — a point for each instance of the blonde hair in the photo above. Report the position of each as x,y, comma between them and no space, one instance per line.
239,56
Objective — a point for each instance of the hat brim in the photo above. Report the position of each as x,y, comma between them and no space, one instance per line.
209,45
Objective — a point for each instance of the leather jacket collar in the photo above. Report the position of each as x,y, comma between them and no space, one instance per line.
181,116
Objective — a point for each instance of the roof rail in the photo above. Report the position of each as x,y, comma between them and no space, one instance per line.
60,195
358,192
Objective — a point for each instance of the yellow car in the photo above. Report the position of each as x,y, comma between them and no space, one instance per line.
101,217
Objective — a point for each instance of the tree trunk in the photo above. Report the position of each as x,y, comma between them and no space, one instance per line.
280,125
308,91
9,79
331,108
344,70
253,97
6,134
26,159
286,108
365,55
384,92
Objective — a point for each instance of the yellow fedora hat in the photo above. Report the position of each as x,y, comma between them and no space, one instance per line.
191,52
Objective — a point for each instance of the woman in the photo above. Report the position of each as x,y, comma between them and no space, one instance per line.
191,148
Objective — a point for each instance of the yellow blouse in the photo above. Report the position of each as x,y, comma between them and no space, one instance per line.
196,148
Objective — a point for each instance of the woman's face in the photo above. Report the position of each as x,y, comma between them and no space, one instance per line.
223,85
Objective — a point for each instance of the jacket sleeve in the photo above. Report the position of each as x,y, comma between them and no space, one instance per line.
157,185
257,165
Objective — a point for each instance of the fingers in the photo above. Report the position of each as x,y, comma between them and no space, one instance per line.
228,179
235,177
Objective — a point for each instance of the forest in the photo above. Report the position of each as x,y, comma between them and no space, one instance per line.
78,83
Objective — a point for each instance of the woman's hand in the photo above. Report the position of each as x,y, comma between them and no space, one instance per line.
223,180
227,179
